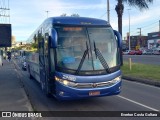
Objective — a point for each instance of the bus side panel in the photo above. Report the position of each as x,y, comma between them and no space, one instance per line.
33,65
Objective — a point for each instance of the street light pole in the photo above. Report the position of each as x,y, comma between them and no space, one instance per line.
8,11
129,42
108,11
47,13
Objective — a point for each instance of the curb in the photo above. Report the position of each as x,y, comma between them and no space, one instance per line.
142,80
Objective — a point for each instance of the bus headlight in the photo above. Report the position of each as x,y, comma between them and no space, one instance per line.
65,82
116,80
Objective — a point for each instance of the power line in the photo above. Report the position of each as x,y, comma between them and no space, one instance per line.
148,27
151,26
4,11
103,15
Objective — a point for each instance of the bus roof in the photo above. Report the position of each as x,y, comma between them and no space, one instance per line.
72,21
76,21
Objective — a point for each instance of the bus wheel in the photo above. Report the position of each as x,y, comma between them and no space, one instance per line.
30,76
45,88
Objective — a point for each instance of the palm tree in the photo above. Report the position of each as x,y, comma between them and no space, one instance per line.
141,4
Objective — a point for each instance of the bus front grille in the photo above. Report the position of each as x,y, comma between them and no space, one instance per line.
94,85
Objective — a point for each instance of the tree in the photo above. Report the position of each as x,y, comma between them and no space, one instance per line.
73,15
141,4
63,15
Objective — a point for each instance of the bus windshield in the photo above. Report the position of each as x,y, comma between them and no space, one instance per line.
86,48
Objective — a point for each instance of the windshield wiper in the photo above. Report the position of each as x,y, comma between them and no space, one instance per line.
101,59
83,58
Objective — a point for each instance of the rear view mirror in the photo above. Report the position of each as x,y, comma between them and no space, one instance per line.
119,40
54,37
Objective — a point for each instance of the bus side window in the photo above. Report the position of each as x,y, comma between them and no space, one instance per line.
46,43
52,60
41,51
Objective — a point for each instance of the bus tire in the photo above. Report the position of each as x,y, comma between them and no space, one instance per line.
30,76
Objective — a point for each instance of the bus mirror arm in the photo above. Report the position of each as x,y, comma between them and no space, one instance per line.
119,40
53,38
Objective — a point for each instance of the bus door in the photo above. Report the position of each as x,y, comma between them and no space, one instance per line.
43,65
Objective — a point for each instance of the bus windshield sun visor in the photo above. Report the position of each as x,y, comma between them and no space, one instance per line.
101,58
83,58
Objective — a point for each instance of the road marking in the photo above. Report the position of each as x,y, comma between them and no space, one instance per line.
153,109
143,84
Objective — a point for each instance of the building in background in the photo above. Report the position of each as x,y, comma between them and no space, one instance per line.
154,40
137,42
124,45
13,40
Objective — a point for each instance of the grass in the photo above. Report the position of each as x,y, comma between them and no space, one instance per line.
142,71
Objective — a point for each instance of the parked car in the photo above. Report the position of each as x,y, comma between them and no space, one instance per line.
132,52
126,52
24,65
147,52
138,52
156,52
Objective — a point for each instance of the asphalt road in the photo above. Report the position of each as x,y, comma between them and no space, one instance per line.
134,97
11,90
144,59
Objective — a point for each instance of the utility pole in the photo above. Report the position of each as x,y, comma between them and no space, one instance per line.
139,36
159,25
4,11
129,41
108,11
4,17
139,31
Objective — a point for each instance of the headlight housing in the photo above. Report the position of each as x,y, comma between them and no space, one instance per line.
66,82
116,80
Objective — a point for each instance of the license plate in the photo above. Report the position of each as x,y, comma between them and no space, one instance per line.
94,93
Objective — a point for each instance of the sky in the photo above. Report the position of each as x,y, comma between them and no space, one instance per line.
27,15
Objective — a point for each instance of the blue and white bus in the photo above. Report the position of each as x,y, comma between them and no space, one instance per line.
76,57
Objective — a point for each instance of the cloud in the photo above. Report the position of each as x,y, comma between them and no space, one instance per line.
135,19
27,15
141,19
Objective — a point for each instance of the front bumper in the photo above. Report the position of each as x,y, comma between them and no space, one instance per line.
68,93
